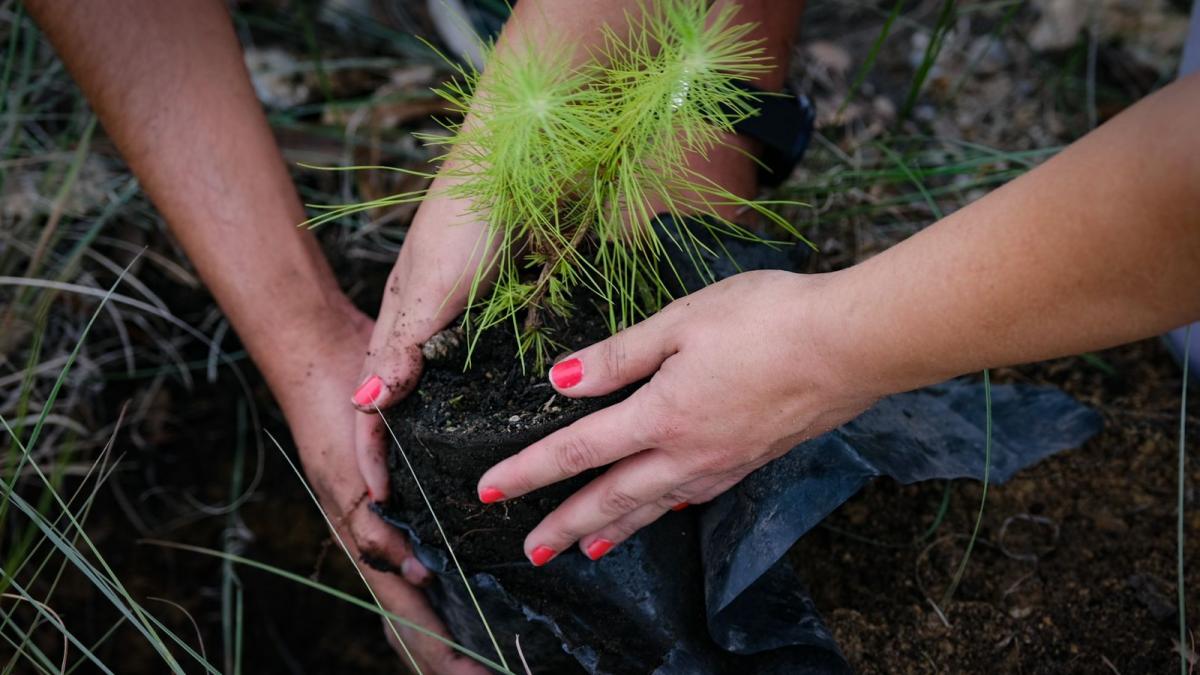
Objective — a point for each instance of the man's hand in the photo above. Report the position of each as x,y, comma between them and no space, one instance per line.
169,84
740,373
322,424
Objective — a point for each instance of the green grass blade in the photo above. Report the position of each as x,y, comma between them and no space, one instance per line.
340,595
345,549
438,522
944,21
987,469
869,64
1181,579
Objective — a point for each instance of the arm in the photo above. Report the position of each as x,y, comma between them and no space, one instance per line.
1099,246
168,82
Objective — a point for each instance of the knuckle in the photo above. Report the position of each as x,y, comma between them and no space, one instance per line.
709,463
575,455
623,529
660,422
617,501
613,356
368,537
557,532
673,499
370,543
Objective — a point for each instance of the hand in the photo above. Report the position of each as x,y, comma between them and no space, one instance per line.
741,371
322,423
431,282
427,289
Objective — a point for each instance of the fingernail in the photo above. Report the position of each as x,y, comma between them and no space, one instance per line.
368,391
415,572
542,555
680,506
598,548
490,495
567,374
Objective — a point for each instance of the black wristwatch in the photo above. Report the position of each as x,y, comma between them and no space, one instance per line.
784,126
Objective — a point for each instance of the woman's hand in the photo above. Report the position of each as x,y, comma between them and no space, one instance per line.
740,372
322,424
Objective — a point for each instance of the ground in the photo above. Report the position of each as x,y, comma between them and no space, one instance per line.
1075,566
1074,570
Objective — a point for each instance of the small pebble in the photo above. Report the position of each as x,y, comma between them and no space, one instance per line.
514,419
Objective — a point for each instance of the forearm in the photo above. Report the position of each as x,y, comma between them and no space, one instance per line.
1097,247
578,25
168,82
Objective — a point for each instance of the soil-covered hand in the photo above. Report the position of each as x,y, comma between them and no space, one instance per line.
323,424
427,289
740,372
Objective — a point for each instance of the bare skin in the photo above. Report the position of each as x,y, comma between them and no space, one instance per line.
1097,247
429,284
168,82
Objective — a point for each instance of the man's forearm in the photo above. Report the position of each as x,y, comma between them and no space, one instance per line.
1097,247
168,82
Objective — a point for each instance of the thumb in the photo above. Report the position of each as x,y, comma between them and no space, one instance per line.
391,370
394,362
631,355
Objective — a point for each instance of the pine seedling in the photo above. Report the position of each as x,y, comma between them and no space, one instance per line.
568,165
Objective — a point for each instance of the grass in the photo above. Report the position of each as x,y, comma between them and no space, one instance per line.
987,470
52,256
51,260
86,364
446,540
1181,578
937,39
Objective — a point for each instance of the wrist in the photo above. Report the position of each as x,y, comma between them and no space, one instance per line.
844,328
327,339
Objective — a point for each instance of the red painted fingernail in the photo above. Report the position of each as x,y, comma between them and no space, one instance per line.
542,555
490,495
368,391
598,548
567,374
680,506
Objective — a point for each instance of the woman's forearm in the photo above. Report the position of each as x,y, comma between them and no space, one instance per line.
168,82
1097,247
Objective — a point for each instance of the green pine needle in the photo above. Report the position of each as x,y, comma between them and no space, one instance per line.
562,161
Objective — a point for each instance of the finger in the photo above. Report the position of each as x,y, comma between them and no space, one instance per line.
432,655
390,372
631,355
598,544
597,440
393,359
426,290
370,449
630,484
385,548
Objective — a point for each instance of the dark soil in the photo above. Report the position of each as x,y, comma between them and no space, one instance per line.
1075,567
458,424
